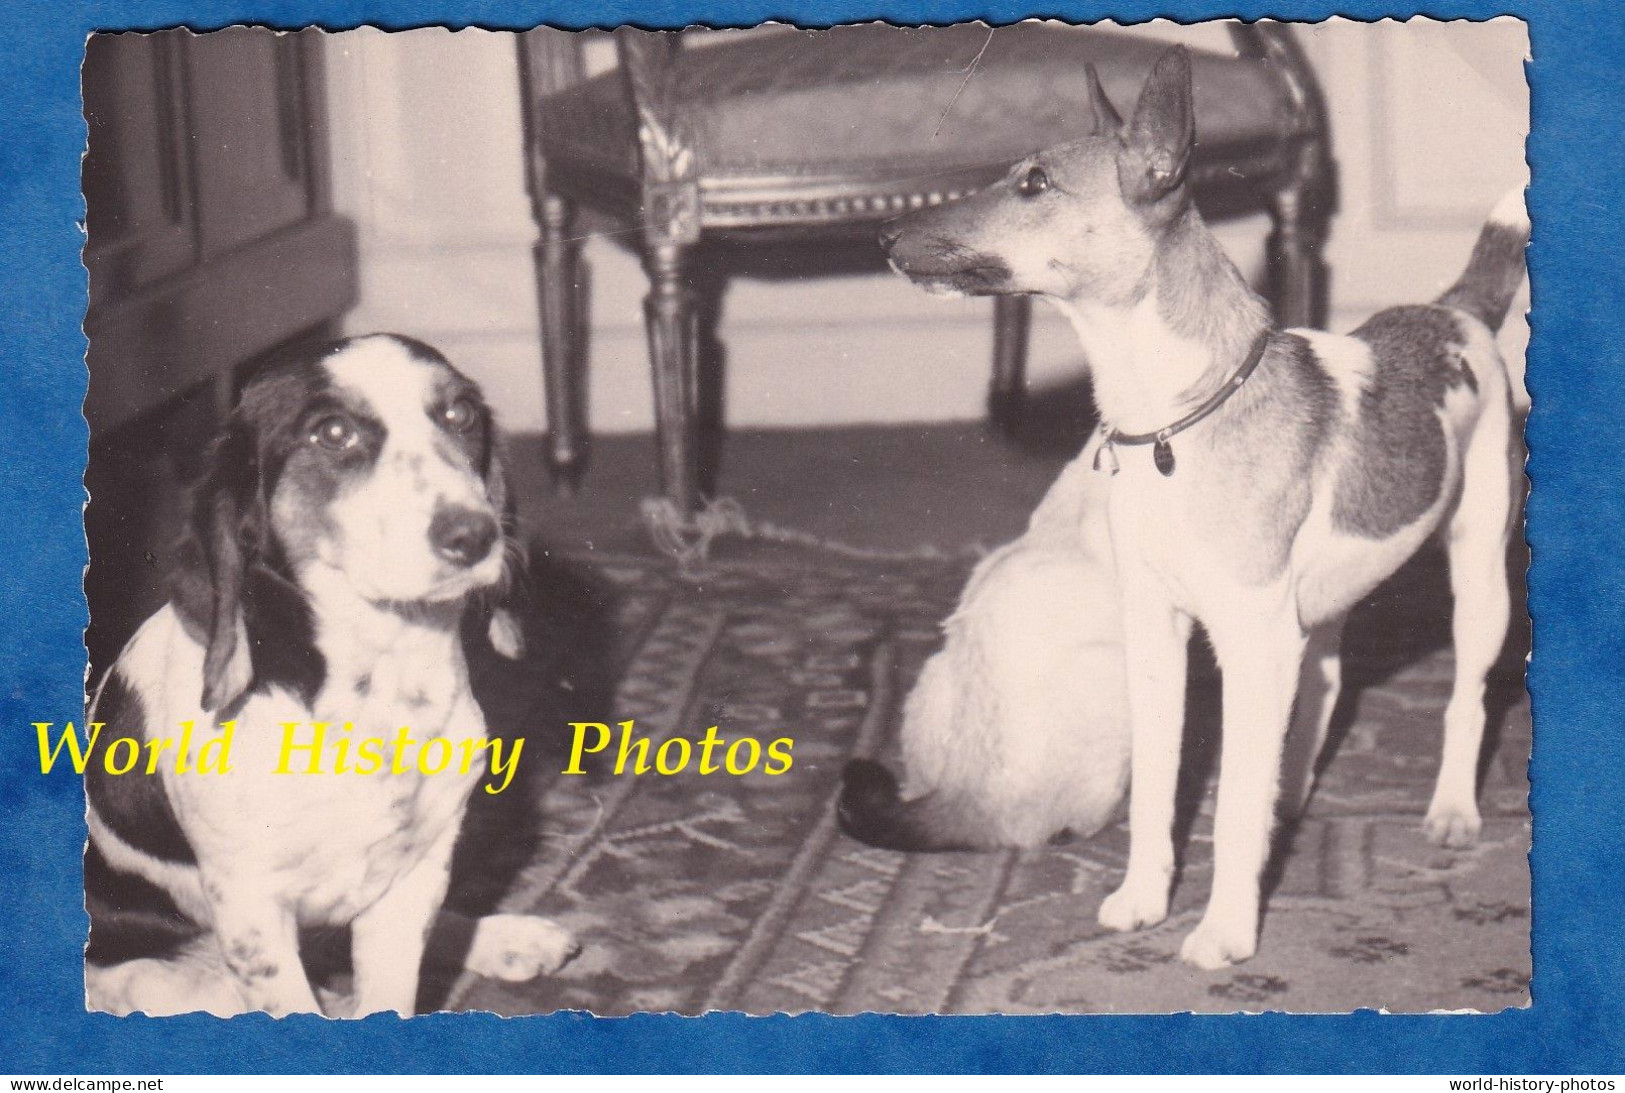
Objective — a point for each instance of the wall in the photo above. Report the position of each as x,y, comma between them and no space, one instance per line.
1428,123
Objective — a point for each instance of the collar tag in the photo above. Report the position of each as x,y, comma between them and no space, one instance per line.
1163,456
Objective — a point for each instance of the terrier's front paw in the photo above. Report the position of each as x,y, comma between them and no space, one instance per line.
1217,943
1139,902
1453,825
518,947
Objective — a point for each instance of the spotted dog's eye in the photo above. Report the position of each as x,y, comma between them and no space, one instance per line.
1033,183
460,415
335,432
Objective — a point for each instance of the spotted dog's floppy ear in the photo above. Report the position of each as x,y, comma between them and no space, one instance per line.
505,633
225,537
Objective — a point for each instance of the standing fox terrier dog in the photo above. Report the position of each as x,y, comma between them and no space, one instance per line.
1264,480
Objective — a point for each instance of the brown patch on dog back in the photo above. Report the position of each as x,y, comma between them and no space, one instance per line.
1398,465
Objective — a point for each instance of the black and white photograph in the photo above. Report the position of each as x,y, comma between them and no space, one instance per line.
878,519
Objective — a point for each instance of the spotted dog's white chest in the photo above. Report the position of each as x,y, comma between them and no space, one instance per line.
329,805
342,851
354,833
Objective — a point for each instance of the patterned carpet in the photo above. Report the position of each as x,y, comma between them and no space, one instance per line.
691,893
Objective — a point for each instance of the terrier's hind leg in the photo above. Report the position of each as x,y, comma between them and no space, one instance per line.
1478,578
1320,682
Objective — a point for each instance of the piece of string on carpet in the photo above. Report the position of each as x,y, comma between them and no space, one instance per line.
689,541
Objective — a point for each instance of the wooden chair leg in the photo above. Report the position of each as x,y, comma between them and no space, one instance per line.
708,280
1298,276
670,317
560,285
1012,318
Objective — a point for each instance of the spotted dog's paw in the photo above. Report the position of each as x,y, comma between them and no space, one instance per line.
518,947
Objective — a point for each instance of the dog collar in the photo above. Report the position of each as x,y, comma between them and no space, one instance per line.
1163,455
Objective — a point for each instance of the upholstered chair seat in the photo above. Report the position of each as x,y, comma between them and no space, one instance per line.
792,112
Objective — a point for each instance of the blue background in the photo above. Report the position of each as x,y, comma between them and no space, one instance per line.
1575,373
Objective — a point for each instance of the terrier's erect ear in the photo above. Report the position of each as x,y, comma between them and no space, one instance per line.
1157,143
1107,121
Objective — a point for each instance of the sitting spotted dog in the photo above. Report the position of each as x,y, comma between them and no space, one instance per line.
352,512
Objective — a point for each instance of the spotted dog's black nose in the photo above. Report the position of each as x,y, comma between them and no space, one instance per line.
888,235
462,536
